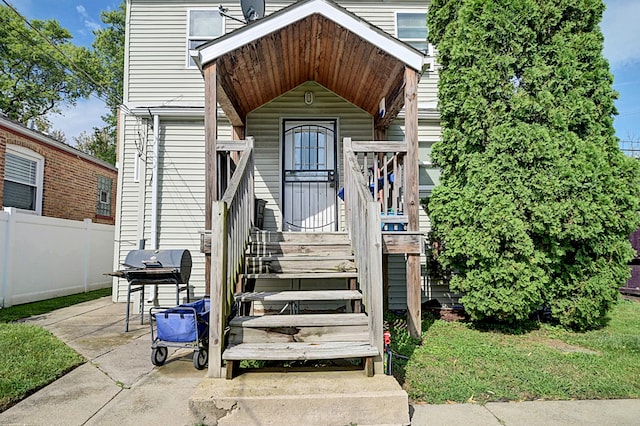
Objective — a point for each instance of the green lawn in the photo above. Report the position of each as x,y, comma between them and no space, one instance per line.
26,310
459,363
31,356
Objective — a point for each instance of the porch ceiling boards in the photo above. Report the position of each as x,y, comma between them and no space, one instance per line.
314,48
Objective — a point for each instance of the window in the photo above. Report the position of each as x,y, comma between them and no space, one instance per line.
411,27
203,26
104,196
23,177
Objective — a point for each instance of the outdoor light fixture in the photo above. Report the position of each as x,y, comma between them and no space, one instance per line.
308,97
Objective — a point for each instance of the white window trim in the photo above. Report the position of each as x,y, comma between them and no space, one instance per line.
23,152
188,37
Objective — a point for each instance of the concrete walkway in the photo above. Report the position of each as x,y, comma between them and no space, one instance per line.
120,386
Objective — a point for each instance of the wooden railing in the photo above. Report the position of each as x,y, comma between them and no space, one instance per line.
382,164
230,232
362,214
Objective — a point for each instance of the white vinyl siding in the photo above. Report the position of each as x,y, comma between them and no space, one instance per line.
156,75
155,51
180,192
265,125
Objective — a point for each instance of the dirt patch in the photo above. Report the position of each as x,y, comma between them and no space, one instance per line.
447,314
567,348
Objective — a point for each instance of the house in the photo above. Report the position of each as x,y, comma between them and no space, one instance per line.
324,114
49,178
57,221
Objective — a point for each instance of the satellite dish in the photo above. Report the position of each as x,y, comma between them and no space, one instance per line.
252,9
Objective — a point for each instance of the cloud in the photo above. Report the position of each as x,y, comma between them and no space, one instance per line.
82,11
621,32
89,23
83,117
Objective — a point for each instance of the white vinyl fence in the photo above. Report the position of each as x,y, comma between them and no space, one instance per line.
44,257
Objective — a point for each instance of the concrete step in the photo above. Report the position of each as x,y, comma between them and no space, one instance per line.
324,398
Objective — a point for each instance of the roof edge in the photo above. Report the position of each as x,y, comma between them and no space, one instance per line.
301,10
41,137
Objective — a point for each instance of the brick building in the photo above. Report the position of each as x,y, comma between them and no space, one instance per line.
50,178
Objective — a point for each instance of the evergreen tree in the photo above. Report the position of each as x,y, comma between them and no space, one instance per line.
536,200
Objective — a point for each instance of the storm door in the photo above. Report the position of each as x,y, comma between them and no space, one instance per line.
309,176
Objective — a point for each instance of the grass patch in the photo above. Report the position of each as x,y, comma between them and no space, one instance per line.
31,359
18,312
31,356
460,363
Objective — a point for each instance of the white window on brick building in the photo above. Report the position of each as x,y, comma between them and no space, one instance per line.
202,26
104,196
23,179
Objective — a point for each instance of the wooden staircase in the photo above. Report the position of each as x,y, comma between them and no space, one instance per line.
307,330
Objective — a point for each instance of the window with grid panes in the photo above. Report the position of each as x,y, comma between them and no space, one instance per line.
411,27
104,196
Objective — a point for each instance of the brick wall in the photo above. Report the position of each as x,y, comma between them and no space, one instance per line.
70,187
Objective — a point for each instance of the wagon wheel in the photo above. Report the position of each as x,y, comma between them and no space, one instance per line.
200,358
159,355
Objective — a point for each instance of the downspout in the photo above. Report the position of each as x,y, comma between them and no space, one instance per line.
153,292
155,185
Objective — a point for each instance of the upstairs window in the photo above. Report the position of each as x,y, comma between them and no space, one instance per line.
203,26
23,178
104,196
411,27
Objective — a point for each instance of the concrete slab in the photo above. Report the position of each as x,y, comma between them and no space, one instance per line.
598,412
70,400
317,398
160,398
127,364
452,414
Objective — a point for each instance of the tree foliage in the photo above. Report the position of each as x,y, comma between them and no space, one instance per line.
37,75
98,144
109,48
536,200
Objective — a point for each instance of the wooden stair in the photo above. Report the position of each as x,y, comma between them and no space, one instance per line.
290,256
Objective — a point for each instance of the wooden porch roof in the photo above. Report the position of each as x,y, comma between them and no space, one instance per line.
310,40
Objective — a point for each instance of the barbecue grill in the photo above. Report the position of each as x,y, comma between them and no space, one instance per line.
155,267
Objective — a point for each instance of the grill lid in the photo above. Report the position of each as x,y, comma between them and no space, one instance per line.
153,264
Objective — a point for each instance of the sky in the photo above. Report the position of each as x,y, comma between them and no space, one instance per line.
619,26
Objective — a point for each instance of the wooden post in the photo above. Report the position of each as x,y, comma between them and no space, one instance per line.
218,288
412,199
237,134
211,177
380,134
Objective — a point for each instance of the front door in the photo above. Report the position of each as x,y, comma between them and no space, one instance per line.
309,176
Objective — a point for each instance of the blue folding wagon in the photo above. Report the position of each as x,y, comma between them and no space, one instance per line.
184,326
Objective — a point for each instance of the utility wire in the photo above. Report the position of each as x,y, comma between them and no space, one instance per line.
73,64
